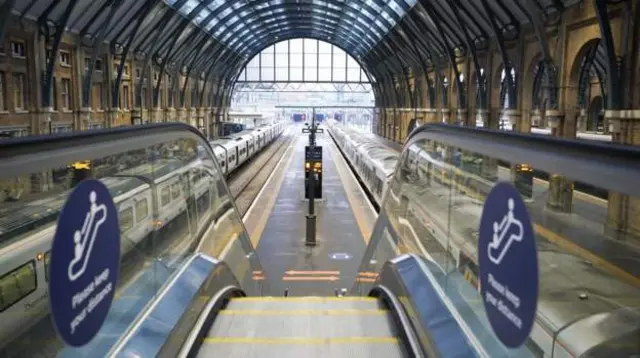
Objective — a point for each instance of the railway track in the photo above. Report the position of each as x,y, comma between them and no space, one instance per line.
246,182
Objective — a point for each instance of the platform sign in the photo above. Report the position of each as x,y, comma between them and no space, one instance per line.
85,259
508,265
313,153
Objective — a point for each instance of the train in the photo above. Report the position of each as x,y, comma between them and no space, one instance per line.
234,150
150,206
572,311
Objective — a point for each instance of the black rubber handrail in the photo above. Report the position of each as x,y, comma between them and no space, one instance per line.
611,166
42,143
192,343
407,333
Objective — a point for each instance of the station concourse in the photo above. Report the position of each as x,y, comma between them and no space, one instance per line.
474,166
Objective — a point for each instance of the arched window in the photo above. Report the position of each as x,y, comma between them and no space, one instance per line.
303,60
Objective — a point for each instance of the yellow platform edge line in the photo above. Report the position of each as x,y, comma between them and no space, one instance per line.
303,299
300,340
334,152
305,312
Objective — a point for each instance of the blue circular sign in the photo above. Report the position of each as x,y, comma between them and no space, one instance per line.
508,265
85,259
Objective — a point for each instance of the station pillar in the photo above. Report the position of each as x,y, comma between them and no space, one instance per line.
623,222
445,115
482,118
560,198
463,118
156,115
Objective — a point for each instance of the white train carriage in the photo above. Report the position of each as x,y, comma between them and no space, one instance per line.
245,146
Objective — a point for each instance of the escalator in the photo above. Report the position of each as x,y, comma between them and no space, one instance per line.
304,326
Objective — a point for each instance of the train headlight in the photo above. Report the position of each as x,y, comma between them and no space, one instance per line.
39,256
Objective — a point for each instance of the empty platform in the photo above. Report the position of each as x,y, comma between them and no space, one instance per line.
276,223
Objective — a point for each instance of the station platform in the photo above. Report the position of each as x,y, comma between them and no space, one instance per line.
276,223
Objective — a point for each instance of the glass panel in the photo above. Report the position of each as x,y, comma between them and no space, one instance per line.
267,74
267,59
295,46
325,60
295,74
588,273
253,74
324,74
339,74
282,47
324,47
311,74
310,46
168,193
353,75
311,61
282,60
296,60
282,74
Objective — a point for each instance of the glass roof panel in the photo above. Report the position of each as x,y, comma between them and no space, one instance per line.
238,23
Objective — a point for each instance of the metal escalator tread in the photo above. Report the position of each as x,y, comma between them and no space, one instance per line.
303,327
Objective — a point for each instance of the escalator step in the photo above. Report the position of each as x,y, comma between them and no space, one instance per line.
348,347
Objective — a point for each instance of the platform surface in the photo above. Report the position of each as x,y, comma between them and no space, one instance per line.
276,223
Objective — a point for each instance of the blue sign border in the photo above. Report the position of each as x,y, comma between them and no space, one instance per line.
85,263
508,265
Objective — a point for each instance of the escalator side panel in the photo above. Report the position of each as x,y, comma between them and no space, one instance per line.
166,324
439,332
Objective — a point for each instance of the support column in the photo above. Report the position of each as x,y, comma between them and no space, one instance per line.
45,122
389,124
136,116
84,119
180,115
536,119
582,121
112,116
200,120
560,197
482,118
513,118
463,118
446,116
157,115
623,222
489,168
170,115
430,115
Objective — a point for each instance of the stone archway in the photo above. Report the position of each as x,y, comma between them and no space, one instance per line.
595,120
585,68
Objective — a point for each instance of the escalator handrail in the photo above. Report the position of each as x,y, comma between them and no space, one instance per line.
406,329
25,155
204,322
611,166
39,143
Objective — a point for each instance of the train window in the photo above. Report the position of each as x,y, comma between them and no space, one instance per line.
47,259
17,284
142,209
175,190
165,197
126,219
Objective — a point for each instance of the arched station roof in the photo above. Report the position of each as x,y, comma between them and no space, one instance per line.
216,38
